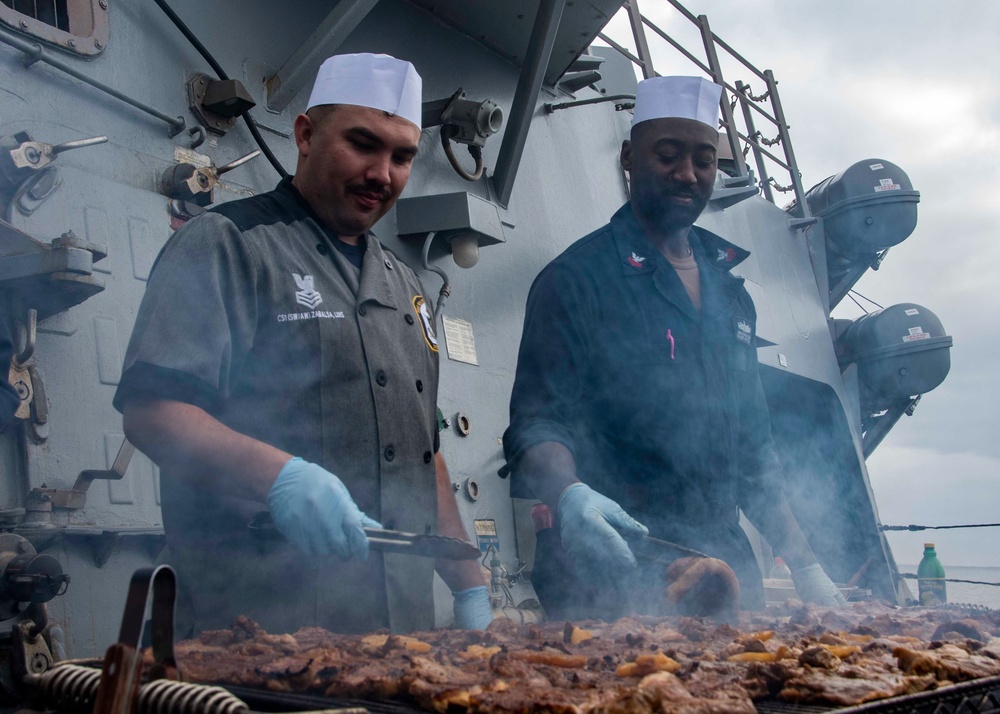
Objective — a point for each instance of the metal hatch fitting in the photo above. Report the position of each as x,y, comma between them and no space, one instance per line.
48,277
187,182
217,103
27,176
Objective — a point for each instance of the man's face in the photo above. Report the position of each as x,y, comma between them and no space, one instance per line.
353,164
672,165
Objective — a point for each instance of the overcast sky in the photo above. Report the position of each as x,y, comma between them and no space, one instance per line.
916,83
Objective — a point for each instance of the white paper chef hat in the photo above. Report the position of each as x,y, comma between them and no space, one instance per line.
681,97
368,80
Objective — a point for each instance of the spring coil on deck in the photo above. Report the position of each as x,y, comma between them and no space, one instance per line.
68,687
73,688
166,696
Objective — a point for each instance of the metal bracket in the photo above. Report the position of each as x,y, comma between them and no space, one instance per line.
75,498
31,653
48,277
726,197
105,547
797,223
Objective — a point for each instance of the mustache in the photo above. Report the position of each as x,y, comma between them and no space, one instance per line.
370,188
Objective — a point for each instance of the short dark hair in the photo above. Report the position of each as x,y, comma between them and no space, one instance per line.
321,113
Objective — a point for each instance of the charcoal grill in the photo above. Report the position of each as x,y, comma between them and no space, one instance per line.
121,686
980,696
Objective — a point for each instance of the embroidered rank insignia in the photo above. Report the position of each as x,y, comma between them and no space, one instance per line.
306,295
426,324
636,261
728,255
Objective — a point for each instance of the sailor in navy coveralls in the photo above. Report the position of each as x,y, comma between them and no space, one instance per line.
637,406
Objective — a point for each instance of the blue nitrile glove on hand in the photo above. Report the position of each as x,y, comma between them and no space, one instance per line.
472,608
587,523
814,585
314,510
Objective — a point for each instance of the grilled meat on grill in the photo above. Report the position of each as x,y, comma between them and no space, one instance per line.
681,665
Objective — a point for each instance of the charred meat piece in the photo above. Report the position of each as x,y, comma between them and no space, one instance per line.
703,587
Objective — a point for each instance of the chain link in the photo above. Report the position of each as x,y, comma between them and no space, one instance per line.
749,95
779,187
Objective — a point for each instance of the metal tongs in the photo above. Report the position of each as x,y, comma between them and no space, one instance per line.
430,546
388,541
660,551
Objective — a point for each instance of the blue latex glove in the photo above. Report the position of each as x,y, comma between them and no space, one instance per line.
314,511
587,523
472,608
814,585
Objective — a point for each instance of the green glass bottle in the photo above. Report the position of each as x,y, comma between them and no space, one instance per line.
930,578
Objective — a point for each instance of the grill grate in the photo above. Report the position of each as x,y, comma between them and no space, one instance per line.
264,701
771,707
980,696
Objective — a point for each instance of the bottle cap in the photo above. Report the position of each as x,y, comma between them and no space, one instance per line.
928,545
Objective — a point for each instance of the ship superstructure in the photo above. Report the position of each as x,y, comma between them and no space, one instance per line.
119,121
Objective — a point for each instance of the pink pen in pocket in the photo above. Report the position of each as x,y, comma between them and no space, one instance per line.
671,338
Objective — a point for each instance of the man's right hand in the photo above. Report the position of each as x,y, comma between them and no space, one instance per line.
587,523
314,510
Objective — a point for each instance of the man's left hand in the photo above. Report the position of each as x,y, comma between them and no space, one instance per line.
472,608
814,585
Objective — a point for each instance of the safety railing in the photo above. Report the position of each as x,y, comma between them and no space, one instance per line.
744,138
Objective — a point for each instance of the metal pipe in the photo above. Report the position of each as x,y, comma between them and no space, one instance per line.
36,53
727,111
758,158
684,11
764,151
549,108
639,35
446,286
30,332
536,60
786,144
621,49
694,60
677,46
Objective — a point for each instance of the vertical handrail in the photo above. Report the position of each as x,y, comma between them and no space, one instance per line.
639,35
786,144
765,184
748,103
727,111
